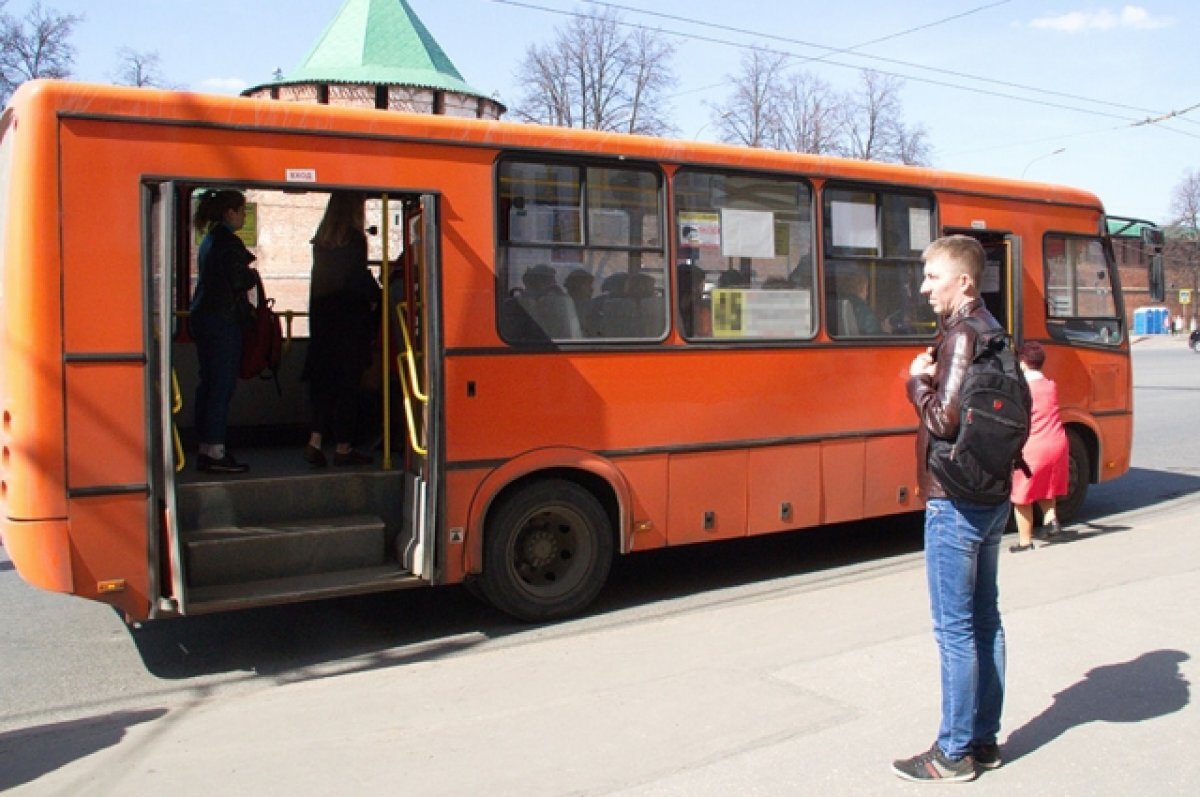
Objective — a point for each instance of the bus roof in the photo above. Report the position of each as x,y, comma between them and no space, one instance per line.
145,105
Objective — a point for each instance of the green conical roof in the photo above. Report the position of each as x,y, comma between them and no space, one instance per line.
378,41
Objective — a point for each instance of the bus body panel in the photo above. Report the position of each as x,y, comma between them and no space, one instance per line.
31,326
40,550
109,551
682,443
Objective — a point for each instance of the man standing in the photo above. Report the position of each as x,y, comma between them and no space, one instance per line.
962,537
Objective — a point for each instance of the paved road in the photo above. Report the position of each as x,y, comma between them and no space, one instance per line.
786,666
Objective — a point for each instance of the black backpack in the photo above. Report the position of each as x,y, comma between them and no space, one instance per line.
993,423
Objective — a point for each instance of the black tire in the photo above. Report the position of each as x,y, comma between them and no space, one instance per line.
1079,467
547,551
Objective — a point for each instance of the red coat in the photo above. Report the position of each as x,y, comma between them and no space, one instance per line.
1046,451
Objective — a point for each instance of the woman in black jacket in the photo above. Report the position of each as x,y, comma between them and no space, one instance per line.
343,324
217,314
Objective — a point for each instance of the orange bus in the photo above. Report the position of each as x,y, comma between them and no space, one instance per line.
601,344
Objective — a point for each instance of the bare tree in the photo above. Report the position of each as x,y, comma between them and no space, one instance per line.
1185,204
810,115
874,125
751,115
139,68
38,46
596,75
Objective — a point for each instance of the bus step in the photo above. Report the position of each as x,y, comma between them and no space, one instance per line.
225,597
239,554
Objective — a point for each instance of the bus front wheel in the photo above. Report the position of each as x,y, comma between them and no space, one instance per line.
1079,468
547,552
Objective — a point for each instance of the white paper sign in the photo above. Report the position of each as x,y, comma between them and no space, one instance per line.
747,233
918,228
854,225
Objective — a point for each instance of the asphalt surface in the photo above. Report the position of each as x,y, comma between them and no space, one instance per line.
797,684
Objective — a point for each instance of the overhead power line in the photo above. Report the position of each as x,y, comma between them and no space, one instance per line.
852,51
1130,120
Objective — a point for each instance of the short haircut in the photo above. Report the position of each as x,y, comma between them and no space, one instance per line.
964,250
1032,354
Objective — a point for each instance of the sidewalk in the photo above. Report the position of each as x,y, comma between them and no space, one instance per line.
808,685
1160,341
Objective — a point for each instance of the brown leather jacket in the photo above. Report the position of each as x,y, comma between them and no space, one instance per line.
937,398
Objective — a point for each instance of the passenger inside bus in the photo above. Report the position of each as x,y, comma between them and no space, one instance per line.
579,287
636,312
541,310
853,313
343,317
732,278
695,311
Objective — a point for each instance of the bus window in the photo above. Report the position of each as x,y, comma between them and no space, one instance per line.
873,246
1081,303
744,258
581,253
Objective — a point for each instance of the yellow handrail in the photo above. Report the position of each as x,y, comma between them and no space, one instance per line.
410,421
176,406
406,365
409,358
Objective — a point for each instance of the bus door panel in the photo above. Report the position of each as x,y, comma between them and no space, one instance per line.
784,493
420,380
708,496
999,287
163,205
842,480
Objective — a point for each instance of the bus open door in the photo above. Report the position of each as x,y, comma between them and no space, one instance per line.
414,304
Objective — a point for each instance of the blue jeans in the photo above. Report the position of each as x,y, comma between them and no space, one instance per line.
219,352
962,551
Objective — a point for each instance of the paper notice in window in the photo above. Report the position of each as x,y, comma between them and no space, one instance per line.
747,233
854,225
918,228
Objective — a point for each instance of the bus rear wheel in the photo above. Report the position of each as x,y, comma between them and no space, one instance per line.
1079,468
547,552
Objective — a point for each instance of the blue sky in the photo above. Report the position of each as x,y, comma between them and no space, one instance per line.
1051,90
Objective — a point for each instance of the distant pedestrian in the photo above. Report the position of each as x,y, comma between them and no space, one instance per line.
1046,453
962,536
1178,324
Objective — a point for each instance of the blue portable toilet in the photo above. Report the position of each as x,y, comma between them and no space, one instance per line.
1140,318
1159,322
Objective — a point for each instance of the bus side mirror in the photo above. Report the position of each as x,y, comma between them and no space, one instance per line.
1157,288
1154,240
1153,237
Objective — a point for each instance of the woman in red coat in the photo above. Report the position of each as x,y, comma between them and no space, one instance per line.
1045,452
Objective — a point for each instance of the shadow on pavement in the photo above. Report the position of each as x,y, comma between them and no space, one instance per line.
30,753
333,637
1133,691
1137,489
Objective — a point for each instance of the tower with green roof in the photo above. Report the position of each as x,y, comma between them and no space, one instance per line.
378,54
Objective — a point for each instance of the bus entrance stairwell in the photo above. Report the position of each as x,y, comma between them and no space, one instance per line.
284,530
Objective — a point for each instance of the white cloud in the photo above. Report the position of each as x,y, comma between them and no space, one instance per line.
224,85
1128,18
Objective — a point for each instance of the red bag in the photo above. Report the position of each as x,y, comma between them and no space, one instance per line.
262,337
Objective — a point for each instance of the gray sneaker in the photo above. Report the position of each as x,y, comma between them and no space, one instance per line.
933,765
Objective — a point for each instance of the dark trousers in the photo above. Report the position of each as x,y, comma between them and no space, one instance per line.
219,351
335,405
